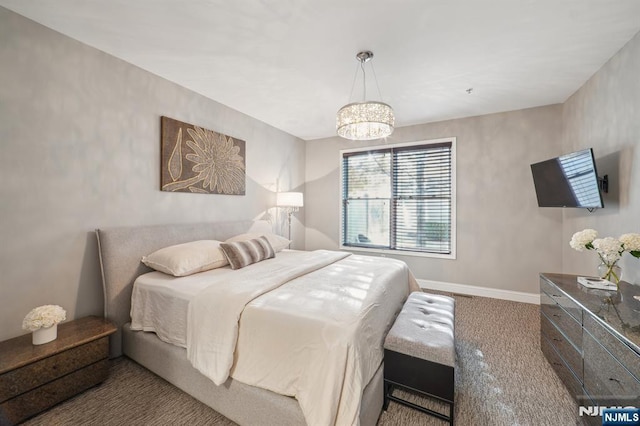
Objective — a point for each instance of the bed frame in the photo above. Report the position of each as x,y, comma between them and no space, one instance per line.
120,251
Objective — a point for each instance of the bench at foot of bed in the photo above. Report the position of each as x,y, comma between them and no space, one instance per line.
419,352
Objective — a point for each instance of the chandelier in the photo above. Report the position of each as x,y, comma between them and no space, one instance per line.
366,120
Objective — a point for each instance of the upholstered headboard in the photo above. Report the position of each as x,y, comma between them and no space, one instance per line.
121,250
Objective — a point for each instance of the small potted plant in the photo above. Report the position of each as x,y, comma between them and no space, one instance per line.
43,322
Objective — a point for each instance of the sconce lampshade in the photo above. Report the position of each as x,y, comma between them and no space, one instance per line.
289,199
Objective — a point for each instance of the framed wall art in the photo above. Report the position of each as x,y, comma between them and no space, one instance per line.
202,161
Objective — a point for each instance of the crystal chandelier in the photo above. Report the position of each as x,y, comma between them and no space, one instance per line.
367,120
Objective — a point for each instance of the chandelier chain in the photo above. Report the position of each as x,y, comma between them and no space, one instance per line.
353,83
364,82
375,78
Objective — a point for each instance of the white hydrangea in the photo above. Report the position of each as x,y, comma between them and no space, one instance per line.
631,242
610,249
43,316
582,239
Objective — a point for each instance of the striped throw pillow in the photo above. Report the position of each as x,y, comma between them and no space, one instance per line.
244,253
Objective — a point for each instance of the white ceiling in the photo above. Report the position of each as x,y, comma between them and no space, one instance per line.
291,63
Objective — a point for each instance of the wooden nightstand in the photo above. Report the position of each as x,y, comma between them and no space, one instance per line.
35,378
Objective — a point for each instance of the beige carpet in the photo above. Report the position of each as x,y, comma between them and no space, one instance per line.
502,378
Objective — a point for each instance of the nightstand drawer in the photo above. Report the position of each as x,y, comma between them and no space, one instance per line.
565,349
561,319
623,353
33,375
28,404
606,380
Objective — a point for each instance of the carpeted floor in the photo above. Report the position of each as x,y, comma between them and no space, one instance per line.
502,378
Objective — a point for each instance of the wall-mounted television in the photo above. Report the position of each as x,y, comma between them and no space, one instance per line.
570,180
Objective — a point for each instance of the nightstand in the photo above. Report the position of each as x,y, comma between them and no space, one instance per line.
35,378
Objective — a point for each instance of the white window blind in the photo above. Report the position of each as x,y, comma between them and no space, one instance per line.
399,198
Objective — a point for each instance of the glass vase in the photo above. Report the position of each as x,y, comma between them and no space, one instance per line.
611,272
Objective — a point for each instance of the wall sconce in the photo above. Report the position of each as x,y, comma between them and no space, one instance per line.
291,202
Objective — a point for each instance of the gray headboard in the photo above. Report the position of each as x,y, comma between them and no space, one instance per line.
121,250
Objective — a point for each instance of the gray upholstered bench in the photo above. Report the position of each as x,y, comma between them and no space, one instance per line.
419,352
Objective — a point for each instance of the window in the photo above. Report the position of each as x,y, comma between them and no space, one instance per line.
400,197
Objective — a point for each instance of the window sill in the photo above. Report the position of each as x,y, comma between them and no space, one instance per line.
383,252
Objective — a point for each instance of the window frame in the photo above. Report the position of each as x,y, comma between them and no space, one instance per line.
385,251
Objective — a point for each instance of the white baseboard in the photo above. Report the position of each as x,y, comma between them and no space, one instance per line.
516,296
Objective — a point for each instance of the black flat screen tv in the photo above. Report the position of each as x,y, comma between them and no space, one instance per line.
570,180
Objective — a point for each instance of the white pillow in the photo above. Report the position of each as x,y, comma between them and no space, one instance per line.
277,242
188,258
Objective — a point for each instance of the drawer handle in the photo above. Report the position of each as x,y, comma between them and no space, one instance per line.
555,315
556,295
555,339
615,380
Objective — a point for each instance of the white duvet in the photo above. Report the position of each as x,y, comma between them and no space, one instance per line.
314,331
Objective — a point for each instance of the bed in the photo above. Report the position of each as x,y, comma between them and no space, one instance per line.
242,396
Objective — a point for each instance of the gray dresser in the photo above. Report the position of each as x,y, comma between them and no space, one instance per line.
591,338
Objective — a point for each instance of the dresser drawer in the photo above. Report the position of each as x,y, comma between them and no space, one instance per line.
561,299
623,353
561,319
573,385
571,356
23,379
606,380
28,404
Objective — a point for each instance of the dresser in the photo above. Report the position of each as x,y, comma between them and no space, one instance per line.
591,338
35,378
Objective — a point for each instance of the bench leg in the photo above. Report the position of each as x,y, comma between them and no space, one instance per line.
388,388
387,391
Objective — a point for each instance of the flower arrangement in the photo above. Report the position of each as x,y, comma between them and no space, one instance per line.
609,249
43,316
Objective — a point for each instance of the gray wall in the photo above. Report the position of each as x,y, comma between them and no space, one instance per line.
503,239
605,114
80,135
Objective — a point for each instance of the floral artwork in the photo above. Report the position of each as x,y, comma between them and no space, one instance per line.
200,161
